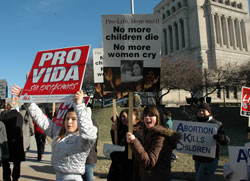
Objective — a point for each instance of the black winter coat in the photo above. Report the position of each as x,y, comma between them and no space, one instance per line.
13,122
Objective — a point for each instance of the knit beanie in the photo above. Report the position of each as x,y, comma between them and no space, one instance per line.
12,103
205,106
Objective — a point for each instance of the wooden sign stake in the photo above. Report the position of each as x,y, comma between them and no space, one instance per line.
115,121
130,120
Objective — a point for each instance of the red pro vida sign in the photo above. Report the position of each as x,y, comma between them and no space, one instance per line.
62,110
56,75
245,101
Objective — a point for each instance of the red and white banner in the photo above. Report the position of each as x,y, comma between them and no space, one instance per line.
56,75
62,110
245,101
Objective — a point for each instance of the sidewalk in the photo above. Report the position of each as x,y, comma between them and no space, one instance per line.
31,169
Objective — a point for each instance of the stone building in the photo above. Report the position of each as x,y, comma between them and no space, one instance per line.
211,32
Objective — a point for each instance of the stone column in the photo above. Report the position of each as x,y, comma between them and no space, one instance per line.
227,31
234,34
220,30
245,36
186,33
180,35
213,30
240,34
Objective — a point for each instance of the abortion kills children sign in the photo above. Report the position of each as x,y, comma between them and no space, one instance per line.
62,110
56,75
132,46
245,102
197,138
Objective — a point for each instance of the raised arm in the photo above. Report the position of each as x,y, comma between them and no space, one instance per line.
37,115
85,125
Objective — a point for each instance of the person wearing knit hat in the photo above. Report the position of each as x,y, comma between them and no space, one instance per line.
12,104
206,166
205,106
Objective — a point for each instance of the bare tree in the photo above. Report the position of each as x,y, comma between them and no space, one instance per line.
88,82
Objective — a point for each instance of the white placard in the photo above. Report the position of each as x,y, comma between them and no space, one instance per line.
197,138
132,37
98,65
238,162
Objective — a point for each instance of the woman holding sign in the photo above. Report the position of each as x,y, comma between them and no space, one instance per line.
205,166
71,142
154,156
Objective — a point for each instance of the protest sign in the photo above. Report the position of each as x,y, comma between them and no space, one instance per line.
245,102
56,75
247,147
238,162
3,89
98,65
132,46
62,110
197,138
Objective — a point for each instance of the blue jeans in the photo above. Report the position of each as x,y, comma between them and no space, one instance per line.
89,172
204,171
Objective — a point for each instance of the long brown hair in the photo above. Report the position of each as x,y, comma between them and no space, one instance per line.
63,129
154,111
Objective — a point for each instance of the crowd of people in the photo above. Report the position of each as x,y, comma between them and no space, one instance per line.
74,144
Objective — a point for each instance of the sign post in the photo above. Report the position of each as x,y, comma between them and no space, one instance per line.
115,121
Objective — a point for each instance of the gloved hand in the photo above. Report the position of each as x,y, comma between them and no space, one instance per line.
219,137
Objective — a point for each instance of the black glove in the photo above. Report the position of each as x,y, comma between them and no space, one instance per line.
219,137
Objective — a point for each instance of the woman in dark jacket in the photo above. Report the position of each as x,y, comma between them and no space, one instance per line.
122,168
154,156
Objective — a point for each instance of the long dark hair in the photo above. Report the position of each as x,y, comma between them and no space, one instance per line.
63,129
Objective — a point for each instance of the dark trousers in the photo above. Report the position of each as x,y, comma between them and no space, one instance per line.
7,170
40,143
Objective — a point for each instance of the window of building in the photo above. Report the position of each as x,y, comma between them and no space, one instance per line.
171,39
168,13
182,34
227,92
165,41
163,16
239,5
176,36
233,4
220,1
218,92
235,93
227,2
173,9
179,5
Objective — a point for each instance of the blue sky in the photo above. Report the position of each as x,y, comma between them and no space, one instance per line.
29,26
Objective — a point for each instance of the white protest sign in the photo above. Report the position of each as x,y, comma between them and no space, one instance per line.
197,138
247,147
238,162
98,65
132,45
3,89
